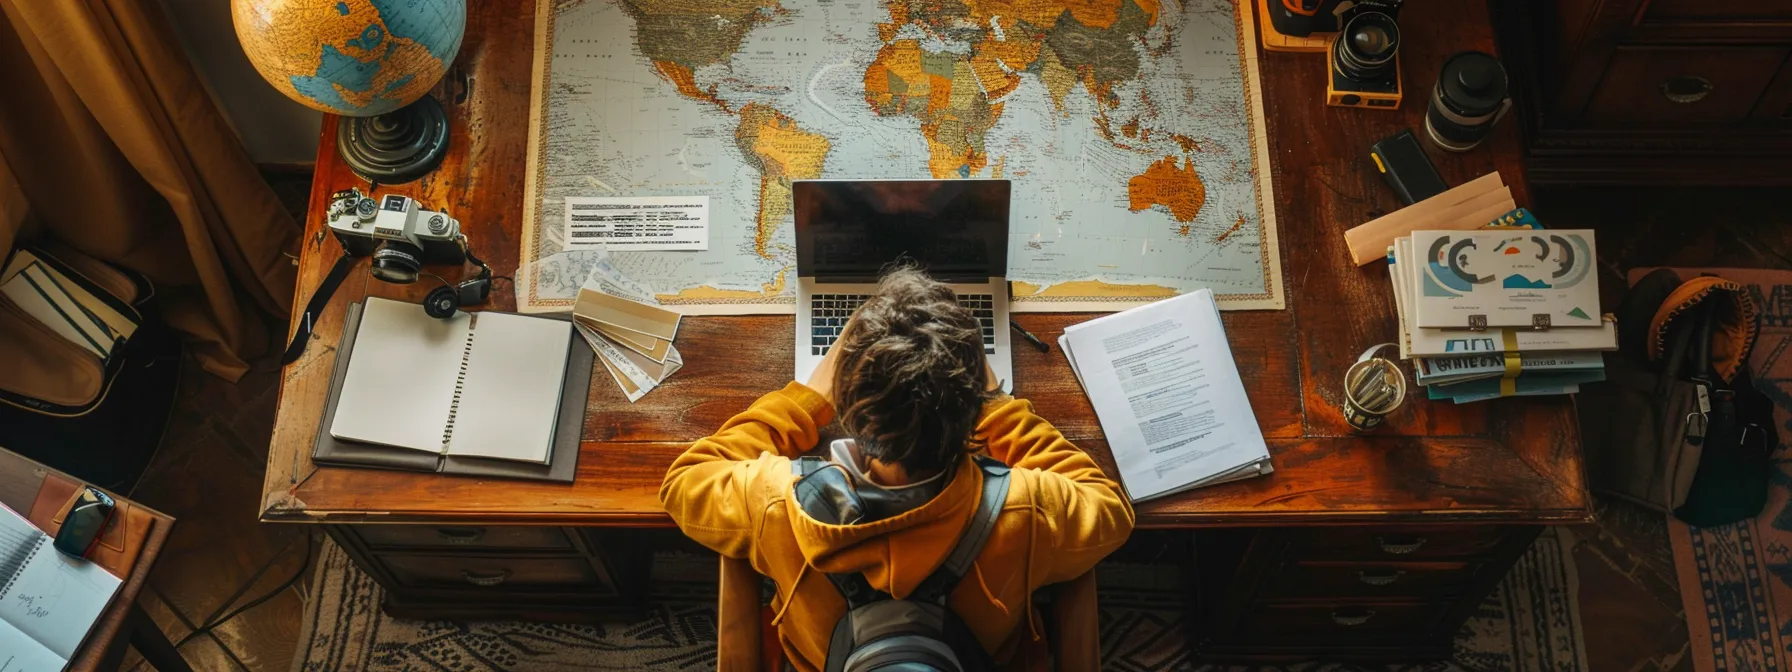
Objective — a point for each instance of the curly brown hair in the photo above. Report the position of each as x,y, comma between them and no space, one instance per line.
912,380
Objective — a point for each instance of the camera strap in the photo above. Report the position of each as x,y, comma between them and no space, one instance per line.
319,299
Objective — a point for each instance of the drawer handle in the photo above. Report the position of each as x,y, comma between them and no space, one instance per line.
485,579
460,536
1400,545
1381,578
1686,88
1353,617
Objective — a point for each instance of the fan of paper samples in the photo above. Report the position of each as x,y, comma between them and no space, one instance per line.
1492,308
624,325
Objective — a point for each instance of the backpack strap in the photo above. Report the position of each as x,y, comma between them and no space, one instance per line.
938,585
814,498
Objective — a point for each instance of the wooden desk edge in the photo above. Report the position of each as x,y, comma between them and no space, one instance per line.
1564,513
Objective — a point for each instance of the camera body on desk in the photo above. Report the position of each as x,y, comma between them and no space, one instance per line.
400,235
1363,63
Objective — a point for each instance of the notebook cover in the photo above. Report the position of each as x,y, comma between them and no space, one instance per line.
568,430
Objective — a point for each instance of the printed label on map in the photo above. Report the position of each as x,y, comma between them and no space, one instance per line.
640,223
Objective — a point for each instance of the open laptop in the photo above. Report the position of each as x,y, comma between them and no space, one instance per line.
847,231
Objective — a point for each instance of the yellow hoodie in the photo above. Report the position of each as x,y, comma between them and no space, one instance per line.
731,492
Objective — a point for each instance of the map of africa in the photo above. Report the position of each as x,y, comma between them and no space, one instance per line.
1130,129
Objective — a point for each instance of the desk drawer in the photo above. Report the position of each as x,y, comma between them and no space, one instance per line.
1383,580
1353,622
496,573
462,537
1670,86
1393,543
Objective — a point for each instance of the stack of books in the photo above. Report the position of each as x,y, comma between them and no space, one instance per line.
1508,310
625,325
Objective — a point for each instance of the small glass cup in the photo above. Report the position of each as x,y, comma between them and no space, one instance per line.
1373,388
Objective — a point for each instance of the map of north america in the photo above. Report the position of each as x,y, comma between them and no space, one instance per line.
1123,124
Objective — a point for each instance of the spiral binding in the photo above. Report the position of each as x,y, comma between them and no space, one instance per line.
460,383
23,559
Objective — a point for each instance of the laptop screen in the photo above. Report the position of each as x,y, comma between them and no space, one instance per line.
957,230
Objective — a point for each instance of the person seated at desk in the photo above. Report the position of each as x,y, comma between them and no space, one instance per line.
917,398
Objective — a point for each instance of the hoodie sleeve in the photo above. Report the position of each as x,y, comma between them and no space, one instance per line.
708,490
1086,516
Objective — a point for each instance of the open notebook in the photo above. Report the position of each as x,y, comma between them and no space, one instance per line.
48,601
484,385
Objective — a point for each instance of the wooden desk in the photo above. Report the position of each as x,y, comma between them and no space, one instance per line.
1502,468
123,621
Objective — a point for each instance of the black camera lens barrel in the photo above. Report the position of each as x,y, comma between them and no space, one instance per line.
1365,49
1469,97
397,262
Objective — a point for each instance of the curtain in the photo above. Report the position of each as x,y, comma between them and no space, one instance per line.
114,147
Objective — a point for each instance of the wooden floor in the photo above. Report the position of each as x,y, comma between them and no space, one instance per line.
208,472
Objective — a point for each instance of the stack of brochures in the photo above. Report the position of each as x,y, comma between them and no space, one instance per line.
624,325
1509,310
1163,383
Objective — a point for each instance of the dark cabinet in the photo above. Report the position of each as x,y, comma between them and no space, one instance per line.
1372,593
1652,91
478,572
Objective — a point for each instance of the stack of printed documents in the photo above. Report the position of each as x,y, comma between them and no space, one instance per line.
1163,383
1509,310
631,334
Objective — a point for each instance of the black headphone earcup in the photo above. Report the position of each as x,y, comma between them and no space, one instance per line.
441,302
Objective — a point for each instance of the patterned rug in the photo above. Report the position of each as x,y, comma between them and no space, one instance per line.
1531,623
1736,580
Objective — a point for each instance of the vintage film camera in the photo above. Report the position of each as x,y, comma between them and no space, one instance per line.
1363,62
402,238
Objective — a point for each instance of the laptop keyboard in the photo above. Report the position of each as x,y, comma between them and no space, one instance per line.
828,314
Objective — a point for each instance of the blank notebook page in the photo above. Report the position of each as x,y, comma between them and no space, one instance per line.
510,397
401,376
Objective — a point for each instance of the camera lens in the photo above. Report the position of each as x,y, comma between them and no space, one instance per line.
1365,48
1469,97
397,262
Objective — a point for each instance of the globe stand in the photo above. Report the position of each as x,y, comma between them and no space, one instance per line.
395,147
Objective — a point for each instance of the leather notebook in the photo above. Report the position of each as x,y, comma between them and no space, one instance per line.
563,459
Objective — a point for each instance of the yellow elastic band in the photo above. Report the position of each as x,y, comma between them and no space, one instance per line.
1514,363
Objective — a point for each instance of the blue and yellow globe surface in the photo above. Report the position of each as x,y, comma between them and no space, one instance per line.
356,58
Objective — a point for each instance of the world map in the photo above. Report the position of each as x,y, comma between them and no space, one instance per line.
1129,129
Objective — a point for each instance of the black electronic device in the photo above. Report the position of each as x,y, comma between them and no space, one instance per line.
851,230
1403,163
85,521
1363,63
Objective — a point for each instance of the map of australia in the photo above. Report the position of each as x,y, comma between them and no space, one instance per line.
1126,127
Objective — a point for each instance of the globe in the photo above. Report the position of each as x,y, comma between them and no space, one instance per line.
356,58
